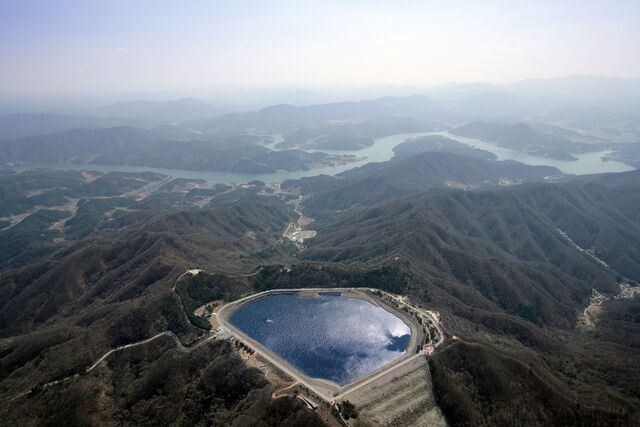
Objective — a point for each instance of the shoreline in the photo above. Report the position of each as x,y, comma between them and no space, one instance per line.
324,388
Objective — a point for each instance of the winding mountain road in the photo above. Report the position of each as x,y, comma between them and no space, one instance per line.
247,341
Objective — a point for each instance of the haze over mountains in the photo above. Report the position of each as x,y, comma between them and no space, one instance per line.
146,133
457,198
466,172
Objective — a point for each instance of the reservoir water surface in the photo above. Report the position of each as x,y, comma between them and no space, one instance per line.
333,337
380,151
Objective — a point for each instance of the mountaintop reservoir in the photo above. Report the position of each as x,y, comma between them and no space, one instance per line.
328,336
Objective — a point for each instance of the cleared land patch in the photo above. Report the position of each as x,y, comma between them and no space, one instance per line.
403,397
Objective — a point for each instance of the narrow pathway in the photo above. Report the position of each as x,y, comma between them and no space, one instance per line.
276,394
181,346
170,334
245,340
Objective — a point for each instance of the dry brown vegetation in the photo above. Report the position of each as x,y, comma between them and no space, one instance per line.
492,262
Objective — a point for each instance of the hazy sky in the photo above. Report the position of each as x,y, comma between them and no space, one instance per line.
108,46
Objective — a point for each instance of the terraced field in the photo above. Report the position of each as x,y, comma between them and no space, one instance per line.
402,398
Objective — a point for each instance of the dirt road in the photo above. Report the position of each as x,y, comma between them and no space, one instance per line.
170,334
326,394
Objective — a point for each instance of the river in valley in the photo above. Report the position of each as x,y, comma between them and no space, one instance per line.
380,151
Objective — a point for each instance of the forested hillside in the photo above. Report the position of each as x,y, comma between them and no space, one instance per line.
511,268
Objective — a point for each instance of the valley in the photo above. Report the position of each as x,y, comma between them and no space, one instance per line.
119,281
319,214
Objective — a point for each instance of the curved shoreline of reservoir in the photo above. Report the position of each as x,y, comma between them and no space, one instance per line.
380,151
324,388
326,335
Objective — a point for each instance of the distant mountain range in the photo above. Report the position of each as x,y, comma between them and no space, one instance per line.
161,112
530,97
161,147
283,118
567,100
556,126
16,126
521,137
134,113
583,89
